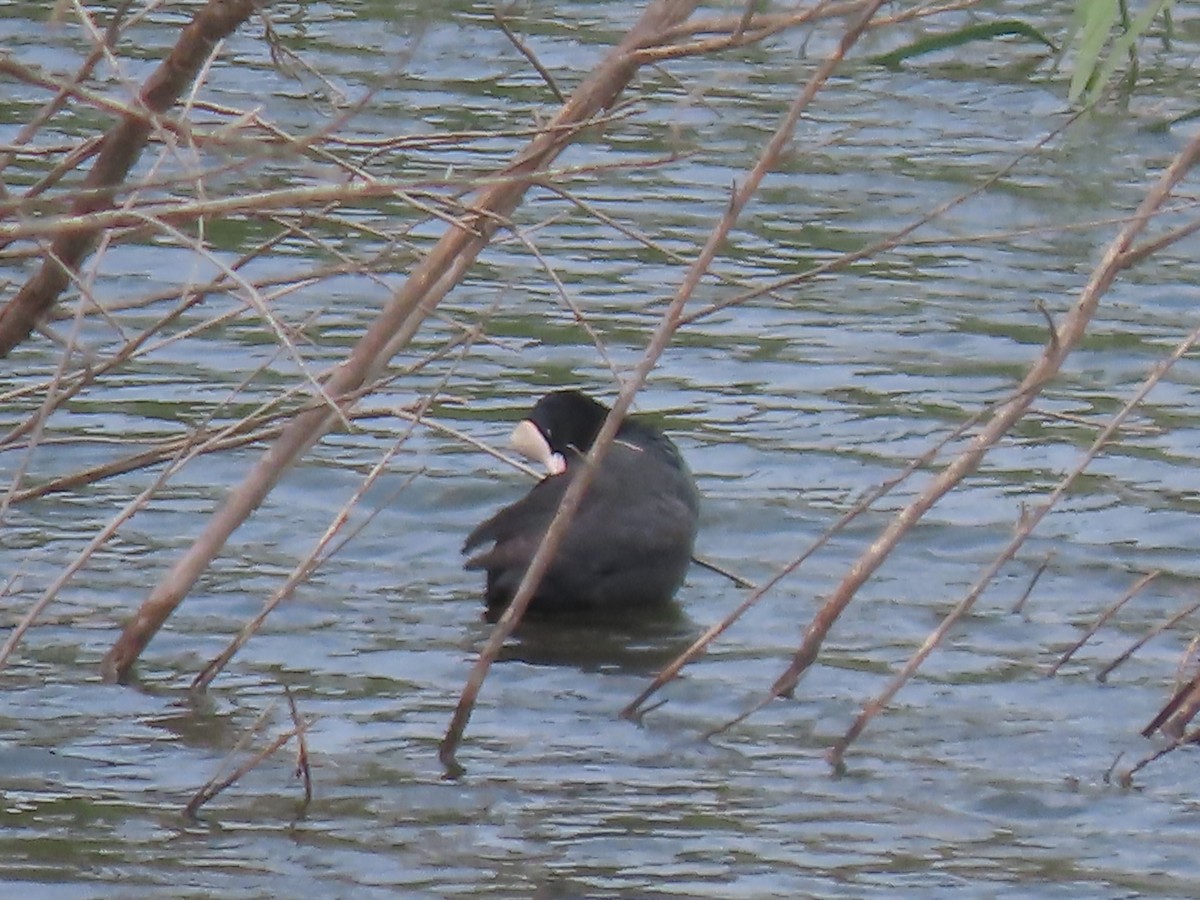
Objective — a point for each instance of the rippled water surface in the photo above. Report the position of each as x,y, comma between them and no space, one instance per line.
984,778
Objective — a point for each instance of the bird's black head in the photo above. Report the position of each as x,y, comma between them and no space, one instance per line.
568,419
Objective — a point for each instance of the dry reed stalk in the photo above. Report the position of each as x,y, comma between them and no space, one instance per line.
1183,705
300,726
751,28
186,450
191,297
670,322
35,77
1133,591
249,430
753,22
1116,258
256,429
98,540
731,32
121,148
1127,654
216,785
565,296
39,418
256,426
395,325
312,561
526,51
81,223
645,240
52,396
702,643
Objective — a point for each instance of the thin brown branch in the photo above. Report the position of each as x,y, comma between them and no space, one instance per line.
527,52
418,195
1192,737
701,644
1178,711
98,540
1135,589
61,95
215,786
889,242
726,573
1125,655
568,301
1018,608
300,726
173,212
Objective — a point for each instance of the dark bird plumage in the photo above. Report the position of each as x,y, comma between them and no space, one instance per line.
630,542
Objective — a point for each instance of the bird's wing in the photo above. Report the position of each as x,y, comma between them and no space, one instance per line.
532,513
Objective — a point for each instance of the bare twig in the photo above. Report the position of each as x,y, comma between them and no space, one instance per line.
528,53
1184,740
216,785
721,570
1066,337
1133,591
1019,607
1125,655
300,727
186,451
1175,715
31,128
889,242
701,644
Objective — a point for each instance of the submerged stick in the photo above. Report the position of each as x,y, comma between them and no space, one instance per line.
1019,607
216,785
303,769
1184,740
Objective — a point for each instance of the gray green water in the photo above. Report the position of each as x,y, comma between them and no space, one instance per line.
984,779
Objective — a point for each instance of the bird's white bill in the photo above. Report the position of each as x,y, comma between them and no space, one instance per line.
531,444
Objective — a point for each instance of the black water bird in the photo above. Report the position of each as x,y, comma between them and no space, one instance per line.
630,543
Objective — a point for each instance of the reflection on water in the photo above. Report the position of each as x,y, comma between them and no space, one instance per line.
983,779
632,644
